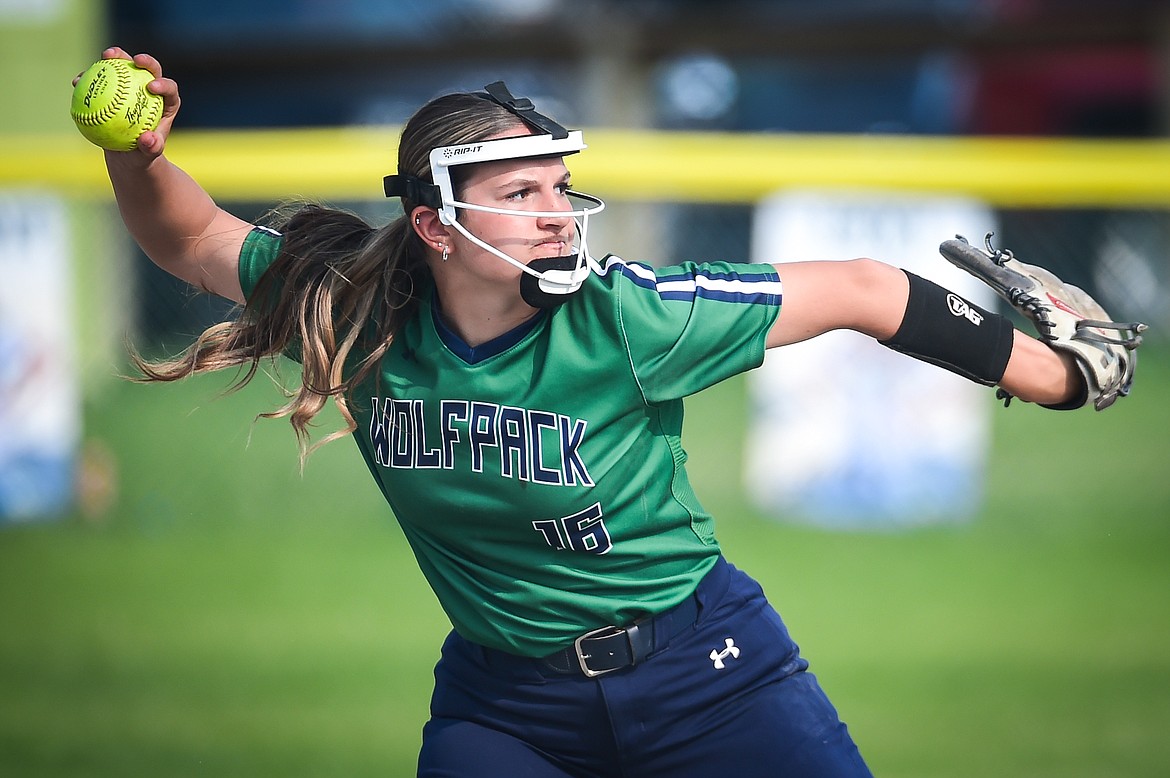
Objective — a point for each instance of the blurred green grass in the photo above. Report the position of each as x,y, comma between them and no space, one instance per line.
232,617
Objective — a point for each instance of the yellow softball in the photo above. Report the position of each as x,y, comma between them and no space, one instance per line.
111,105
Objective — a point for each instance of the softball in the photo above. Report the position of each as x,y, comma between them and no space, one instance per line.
111,106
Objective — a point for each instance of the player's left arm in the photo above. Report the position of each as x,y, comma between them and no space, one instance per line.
872,298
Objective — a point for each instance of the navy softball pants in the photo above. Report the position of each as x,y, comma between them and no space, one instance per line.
729,696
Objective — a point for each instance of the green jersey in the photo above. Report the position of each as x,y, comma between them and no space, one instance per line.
540,478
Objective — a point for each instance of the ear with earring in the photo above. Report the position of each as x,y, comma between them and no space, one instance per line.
443,246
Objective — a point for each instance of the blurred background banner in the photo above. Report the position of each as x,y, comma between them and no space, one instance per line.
846,433
40,398
41,264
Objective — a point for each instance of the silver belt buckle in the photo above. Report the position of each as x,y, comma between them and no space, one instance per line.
581,656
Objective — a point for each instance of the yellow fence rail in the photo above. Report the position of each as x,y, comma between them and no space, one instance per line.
348,164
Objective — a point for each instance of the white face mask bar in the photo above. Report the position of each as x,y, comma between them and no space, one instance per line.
551,279
557,280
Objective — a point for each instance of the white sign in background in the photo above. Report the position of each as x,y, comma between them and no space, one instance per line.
844,432
40,406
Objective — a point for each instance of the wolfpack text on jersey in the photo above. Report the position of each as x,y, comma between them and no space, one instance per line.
529,445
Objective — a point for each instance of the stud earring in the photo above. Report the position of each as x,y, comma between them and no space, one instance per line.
418,220
445,251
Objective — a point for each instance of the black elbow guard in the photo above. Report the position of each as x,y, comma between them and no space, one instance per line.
942,328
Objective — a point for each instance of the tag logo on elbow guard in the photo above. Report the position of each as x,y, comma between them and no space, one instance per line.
960,307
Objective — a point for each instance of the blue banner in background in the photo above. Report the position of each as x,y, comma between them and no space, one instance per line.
40,402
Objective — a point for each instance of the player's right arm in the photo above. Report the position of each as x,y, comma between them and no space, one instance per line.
171,217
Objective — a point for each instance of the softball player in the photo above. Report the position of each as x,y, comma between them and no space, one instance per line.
519,403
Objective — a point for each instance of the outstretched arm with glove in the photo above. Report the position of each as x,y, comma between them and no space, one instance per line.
1080,356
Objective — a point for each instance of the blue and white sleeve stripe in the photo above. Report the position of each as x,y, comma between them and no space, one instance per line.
761,287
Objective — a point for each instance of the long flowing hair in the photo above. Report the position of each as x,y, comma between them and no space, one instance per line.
339,290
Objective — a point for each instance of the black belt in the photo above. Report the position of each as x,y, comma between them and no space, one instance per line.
612,648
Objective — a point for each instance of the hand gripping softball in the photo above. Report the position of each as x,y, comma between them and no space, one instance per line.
1065,316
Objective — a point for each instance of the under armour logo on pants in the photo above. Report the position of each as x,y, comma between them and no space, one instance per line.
731,650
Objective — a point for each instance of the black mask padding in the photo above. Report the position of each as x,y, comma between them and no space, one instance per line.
530,285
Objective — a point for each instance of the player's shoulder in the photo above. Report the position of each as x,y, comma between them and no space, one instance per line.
688,281
263,239
613,270
261,247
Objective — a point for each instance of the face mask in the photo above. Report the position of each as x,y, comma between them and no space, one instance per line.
546,282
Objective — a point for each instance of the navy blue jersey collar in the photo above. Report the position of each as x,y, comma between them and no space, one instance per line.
475,354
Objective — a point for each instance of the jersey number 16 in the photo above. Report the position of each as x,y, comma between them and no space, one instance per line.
583,531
